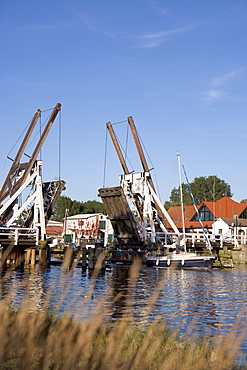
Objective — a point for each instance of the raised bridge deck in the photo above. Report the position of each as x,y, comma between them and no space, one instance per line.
120,214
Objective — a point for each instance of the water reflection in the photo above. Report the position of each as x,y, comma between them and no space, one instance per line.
204,302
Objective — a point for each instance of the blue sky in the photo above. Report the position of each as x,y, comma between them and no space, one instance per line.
179,68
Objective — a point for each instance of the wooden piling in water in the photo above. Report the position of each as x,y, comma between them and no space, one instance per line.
91,258
68,258
6,255
48,255
33,257
98,252
42,257
84,257
28,257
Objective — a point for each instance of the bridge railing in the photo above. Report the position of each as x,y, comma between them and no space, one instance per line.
199,238
17,233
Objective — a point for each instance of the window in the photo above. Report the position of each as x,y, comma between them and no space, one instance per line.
110,238
102,225
205,215
244,214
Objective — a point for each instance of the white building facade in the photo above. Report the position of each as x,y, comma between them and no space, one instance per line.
95,227
231,229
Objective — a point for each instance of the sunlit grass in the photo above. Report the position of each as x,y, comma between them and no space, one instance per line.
47,340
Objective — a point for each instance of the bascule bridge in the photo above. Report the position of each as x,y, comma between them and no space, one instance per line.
135,211
23,222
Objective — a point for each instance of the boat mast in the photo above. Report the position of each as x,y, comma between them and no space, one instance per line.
181,199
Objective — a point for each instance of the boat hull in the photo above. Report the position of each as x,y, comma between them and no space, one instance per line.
182,262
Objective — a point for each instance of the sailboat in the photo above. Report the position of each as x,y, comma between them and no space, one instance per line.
182,259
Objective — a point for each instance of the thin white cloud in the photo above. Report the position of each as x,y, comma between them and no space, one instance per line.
213,95
93,26
86,21
35,29
223,79
155,39
159,9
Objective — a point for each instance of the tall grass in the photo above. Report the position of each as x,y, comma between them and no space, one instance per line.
47,340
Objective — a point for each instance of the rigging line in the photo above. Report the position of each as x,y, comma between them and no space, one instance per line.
156,182
175,165
117,123
37,132
125,153
145,149
59,144
3,169
19,138
47,110
197,212
104,172
126,144
155,177
40,130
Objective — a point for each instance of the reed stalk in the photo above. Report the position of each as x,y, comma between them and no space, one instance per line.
46,340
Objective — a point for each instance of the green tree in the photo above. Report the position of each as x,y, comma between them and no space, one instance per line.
243,201
209,189
92,206
175,197
75,207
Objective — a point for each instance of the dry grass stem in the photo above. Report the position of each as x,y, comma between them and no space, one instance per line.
48,340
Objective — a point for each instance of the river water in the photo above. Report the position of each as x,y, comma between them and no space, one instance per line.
204,302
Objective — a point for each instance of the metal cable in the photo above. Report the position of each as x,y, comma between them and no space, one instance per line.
104,172
59,144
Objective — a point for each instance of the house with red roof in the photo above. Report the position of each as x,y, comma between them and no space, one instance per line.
54,229
209,212
231,228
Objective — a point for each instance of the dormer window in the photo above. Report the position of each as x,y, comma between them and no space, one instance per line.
205,215
244,214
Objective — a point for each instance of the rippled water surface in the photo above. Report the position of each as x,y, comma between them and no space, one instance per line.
204,302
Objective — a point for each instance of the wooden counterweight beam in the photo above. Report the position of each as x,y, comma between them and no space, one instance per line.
117,148
123,162
38,147
143,160
20,172
7,186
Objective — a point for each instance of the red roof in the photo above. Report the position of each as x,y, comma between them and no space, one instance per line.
222,208
54,230
225,207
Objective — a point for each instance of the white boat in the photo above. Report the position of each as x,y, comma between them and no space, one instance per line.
181,259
